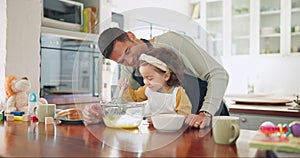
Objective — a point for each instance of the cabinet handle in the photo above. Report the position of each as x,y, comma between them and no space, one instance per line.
244,119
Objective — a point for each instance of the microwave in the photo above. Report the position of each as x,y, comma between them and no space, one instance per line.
62,14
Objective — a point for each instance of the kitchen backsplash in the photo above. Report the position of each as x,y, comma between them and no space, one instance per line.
267,74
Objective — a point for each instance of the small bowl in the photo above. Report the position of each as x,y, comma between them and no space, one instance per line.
125,115
168,122
268,30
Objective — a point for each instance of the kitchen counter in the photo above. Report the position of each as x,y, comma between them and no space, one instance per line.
262,109
252,115
71,100
275,110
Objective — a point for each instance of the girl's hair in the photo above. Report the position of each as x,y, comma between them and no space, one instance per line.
174,63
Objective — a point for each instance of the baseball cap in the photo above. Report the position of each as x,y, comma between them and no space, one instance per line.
106,38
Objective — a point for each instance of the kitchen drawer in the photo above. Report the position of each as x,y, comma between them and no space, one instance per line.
253,121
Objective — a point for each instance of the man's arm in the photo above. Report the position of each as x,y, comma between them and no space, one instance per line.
200,64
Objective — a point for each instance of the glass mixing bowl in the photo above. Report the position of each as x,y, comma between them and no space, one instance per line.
125,115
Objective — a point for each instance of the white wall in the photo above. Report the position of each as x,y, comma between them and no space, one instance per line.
181,6
160,13
271,74
23,35
2,48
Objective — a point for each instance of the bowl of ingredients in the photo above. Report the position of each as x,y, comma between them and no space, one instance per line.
167,122
123,115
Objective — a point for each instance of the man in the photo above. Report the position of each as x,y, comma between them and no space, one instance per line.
205,79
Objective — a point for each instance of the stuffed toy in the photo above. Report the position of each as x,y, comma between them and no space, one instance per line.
17,94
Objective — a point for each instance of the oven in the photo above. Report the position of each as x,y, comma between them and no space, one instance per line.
68,66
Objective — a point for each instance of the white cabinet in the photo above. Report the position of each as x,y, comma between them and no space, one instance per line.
252,27
240,23
215,23
270,11
211,18
295,26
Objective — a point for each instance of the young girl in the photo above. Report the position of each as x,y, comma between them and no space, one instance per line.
162,72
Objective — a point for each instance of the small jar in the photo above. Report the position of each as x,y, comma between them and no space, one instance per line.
297,28
295,49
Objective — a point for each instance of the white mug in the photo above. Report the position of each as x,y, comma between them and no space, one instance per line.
226,129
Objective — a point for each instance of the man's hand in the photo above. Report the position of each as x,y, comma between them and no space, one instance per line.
201,120
92,114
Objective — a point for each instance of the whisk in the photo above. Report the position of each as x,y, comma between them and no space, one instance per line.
117,98
115,110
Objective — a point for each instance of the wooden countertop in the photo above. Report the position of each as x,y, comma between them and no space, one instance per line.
30,139
262,109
